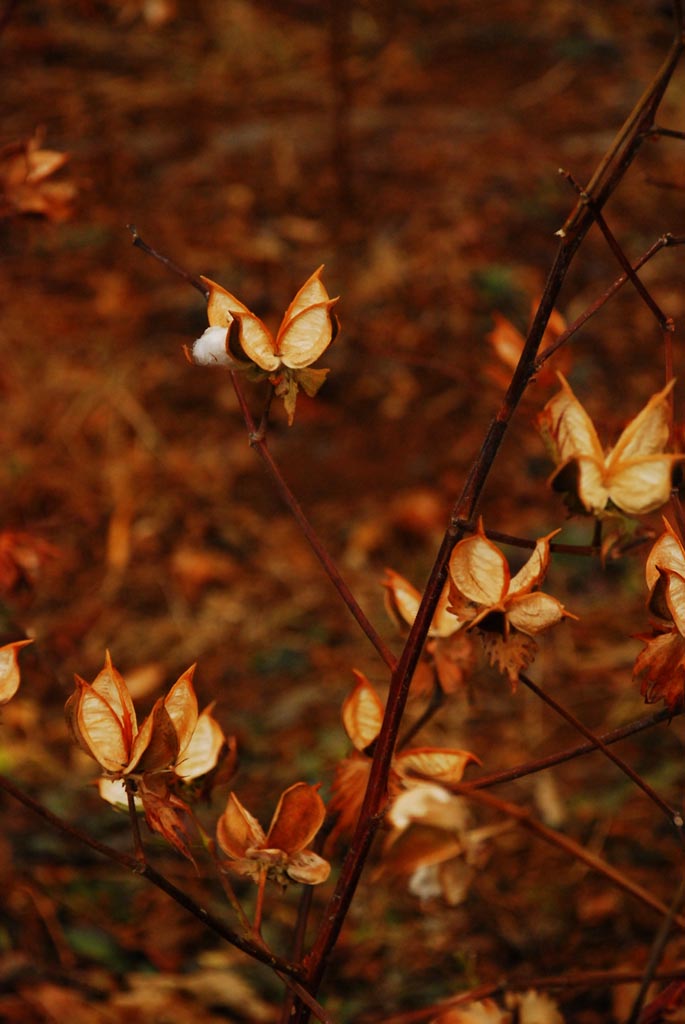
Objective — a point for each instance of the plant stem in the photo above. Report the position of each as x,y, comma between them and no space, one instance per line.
570,846
665,322
605,180
657,951
674,816
170,264
135,825
259,443
540,764
125,860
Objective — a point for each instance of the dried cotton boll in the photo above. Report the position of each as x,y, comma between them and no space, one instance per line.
210,349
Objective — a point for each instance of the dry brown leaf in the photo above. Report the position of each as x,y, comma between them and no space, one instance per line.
24,188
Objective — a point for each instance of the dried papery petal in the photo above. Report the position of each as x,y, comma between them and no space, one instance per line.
534,613
454,660
362,713
445,623
110,684
533,1007
165,813
478,571
202,753
420,846
312,293
97,728
662,665
646,434
222,307
658,603
181,706
401,599
237,830
10,675
402,602
434,763
506,340
257,343
307,336
429,804
485,1012
675,599
533,572
311,380
307,329
114,792
591,487
666,553
155,748
349,785
308,868
644,484
568,428
635,476
298,817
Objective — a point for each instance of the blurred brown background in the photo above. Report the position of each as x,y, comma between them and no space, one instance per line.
413,148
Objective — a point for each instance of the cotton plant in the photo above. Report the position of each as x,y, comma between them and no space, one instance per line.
633,478
174,745
238,340
509,611
282,853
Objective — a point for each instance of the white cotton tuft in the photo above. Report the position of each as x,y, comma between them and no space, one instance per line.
210,349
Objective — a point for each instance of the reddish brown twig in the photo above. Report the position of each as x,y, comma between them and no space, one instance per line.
131,863
674,816
259,443
540,764
574,849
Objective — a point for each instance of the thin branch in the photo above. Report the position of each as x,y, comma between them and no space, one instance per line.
667,133
570,846
666,241
657,951
674,816
586,550
257,438
132,864
540,764
135,824
437,699
632,133
259,443
175,268
665,322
